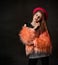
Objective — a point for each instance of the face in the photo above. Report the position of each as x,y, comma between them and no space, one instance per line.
37,17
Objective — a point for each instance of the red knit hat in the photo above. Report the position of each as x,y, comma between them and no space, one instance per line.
41,9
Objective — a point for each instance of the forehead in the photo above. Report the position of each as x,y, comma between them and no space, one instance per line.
38,13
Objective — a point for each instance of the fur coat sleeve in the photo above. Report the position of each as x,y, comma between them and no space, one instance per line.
27,35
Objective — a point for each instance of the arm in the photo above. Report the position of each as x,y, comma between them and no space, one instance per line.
26,35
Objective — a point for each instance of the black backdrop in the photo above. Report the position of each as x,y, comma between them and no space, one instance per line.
13,14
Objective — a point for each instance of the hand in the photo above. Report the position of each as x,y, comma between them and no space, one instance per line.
25,25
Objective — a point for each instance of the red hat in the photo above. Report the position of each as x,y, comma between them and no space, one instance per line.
41,9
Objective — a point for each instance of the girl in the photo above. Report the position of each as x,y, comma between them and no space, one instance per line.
36,38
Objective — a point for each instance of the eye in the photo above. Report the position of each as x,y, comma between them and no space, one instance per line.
38,16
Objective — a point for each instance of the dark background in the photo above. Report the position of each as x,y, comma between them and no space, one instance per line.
13,14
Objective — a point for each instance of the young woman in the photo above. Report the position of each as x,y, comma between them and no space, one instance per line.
36,38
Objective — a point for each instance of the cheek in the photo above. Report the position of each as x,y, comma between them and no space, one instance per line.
39,23
34,16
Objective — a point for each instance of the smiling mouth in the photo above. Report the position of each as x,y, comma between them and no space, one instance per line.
36,21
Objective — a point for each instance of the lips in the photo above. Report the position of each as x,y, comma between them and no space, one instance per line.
36,21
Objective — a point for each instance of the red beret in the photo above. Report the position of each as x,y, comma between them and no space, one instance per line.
41,9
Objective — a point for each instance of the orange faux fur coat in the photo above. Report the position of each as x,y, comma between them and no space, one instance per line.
32,43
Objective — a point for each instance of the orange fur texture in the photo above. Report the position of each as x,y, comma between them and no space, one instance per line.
41,43
26,35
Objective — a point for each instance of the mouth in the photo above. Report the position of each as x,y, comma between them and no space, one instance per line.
36,21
